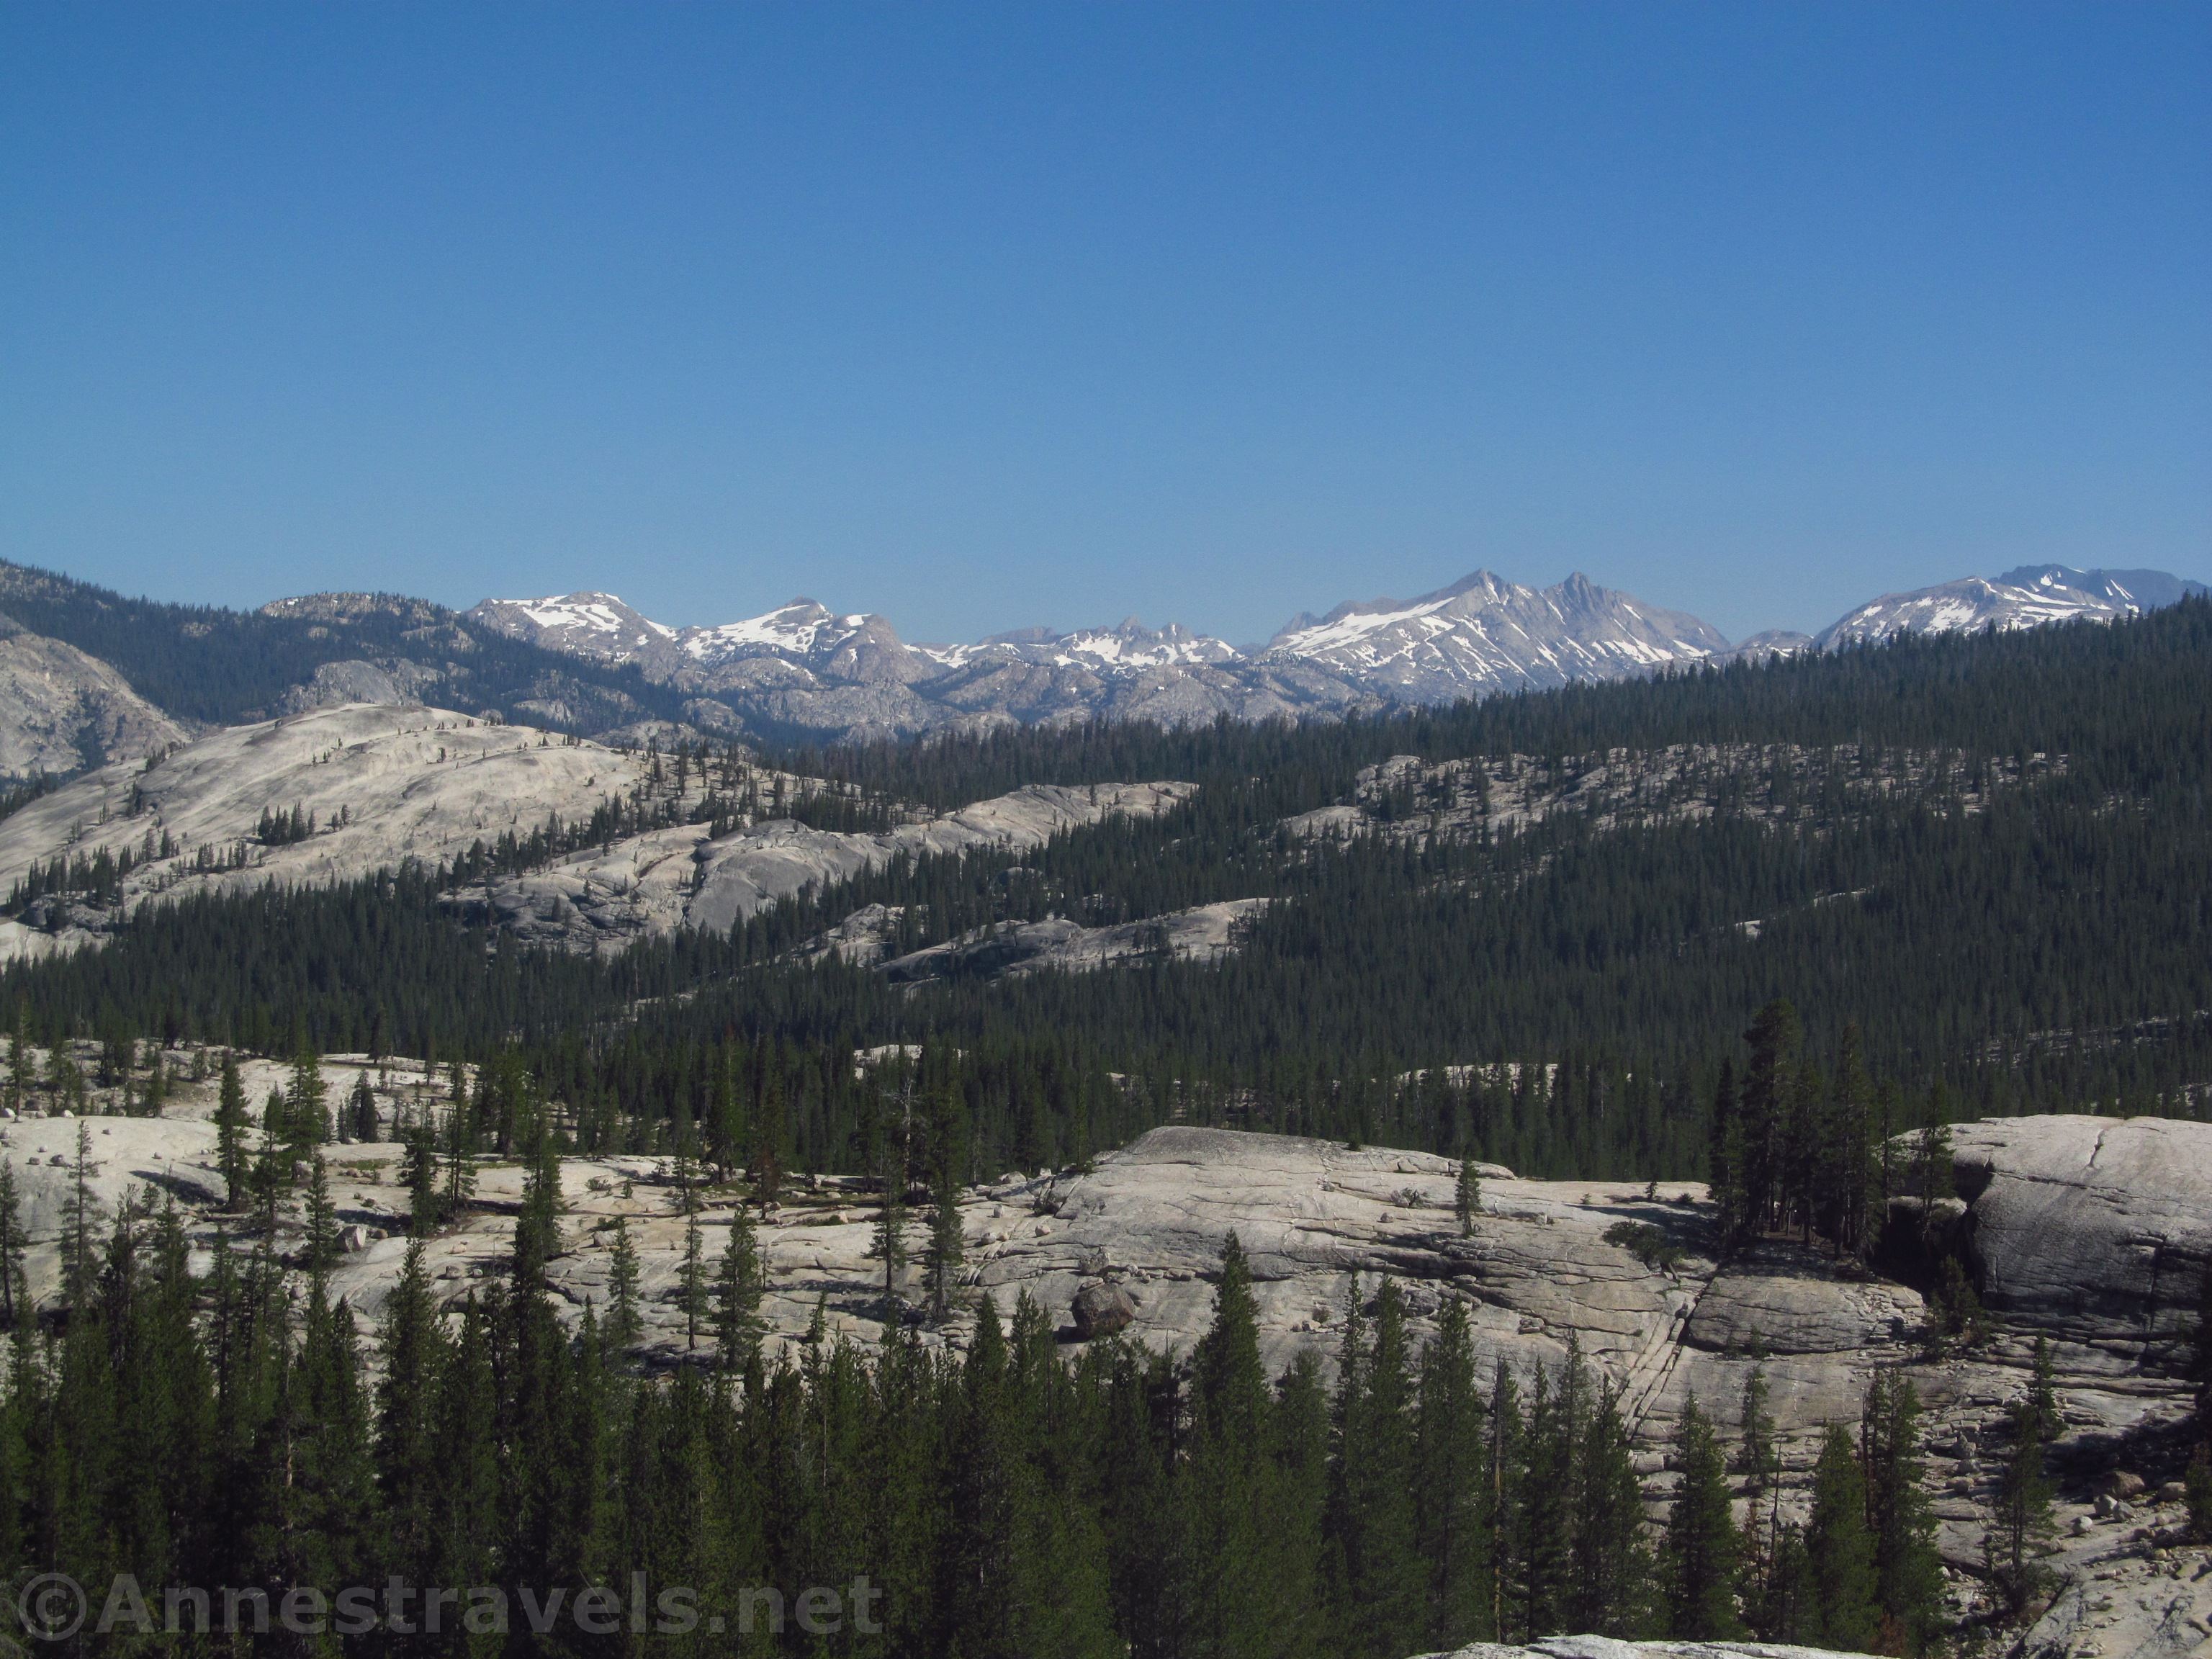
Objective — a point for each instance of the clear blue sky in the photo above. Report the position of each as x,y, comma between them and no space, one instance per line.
980,317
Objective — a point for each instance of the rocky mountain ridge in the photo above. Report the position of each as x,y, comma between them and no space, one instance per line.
91,677
851,675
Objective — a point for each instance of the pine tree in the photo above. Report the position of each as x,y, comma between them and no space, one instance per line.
1380,1588
1839,1192
1700,1556
1839,1608
737,1288
230,1128
418,1173
414,1352
80,1226
460,1164
361,1111
1611,1567
1229,1503
1452,1519
948,1153
13,1295
307,1116
889,1244
18,1065
625,1322
1507,1452
1771,1090
768,1141
2022,1521
1725,1151
322,1222
1466,1197
1760,1465
1546,1502
691,1280
1908,1571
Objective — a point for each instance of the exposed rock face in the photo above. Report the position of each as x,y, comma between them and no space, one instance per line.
388,784
2129,1198
384,785
1205,932
1779,1298
686,877
62,711
338,684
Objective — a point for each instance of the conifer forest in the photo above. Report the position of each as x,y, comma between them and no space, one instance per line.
1796,921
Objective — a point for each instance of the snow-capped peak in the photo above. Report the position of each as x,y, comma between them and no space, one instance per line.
801,628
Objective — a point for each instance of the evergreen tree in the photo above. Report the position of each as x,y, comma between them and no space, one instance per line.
322,1221
889,1244
1230,1500
230,1129
1610,1564
737,1288
1725,1155
1700,1555
948,1153
691,1279
14,1297
80,1227
1466,1197
2021,1522
418,1173
361,1111
1839,1196
625,1327
1908,1571
1452,1508
1770,1091
1546,1503
1837,1607
307,1121
1506,1494
460,1163
1380,1590
1760,1464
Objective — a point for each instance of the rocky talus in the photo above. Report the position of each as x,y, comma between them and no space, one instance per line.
2091,1232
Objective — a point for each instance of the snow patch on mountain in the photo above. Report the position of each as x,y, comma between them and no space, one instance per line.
2030,596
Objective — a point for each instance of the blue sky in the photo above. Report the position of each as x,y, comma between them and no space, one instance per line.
981,317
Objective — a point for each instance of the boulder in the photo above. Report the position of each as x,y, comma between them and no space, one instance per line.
1102,1309
1781,1298
2096,1229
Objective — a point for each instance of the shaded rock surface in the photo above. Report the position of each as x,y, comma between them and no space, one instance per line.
61,710
1205,932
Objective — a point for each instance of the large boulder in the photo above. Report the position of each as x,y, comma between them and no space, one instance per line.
1102,1309
1782,1298
2094,1229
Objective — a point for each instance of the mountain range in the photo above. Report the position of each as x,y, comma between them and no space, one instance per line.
806,667
89,677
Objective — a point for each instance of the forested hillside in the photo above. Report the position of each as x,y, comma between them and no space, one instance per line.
209,664
1991,856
